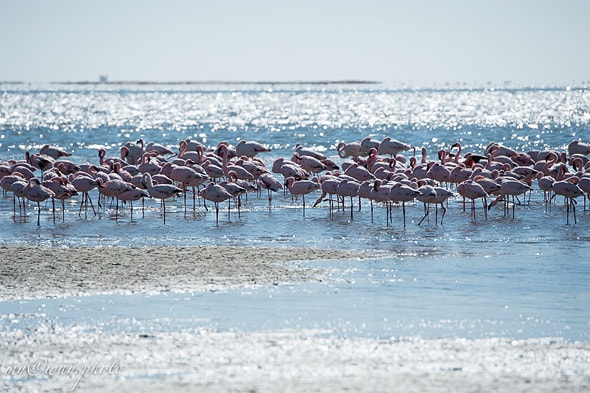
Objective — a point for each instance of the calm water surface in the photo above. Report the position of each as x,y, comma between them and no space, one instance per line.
522,277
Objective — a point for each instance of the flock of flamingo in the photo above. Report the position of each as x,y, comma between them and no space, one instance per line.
371,170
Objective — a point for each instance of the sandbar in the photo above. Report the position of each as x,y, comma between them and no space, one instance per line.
37,272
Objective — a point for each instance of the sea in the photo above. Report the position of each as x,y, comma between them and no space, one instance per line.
518,276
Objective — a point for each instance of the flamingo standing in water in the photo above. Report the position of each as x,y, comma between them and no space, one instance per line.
84,183
509,187
301,187
36,192
402,193
160,191
270,183
63,190
570,191
436,195
133,194
348,188
473,190
215,193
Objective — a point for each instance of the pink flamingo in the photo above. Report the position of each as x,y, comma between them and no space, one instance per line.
235,190
131,195
570,191
402,193
301,187
240,172
18,192
353,149
309,163
360,173
250,148
348,188
578,147
380,193
270,183
149,165
392,146
304,151
84,184
63,190
158,148
36,192
215,193
510,188
437,195
367,144
54,151
187,177
473,190
160,191
328,185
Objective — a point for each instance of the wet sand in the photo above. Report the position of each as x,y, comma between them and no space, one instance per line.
285,361
79,357
35,272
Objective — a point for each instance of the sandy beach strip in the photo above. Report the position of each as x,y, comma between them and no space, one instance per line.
285,361
36,272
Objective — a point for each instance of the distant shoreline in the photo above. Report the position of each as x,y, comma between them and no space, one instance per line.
221,82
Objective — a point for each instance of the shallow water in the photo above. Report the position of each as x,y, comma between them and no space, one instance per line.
522,277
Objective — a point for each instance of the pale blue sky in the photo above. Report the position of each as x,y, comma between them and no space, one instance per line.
418,42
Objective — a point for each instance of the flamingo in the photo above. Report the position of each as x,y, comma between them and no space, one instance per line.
570,191
367,144
328,185
84,184
240,172
186,176
54,152
578,147
36,192
380,193
310,164
215,193
509,187
160,191
303,151
348,188
131,195
402,193
158,148
353,149
63,190
301,187
250,148
270,183
359,173
18,192
473,190
133,151
392,146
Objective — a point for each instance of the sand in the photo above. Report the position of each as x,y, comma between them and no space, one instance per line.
33,272
285,361
77,357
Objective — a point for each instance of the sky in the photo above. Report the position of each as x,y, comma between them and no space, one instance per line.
414,42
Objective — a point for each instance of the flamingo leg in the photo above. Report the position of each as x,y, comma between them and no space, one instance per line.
303,197
38,214
444,211
404,213
427,210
